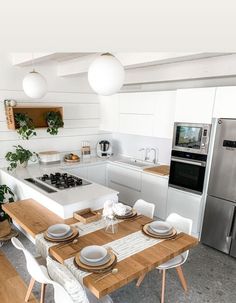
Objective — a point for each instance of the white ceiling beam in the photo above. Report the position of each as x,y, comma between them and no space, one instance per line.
80,65
76,66
206,68
25,59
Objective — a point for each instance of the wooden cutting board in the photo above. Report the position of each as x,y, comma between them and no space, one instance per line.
163,170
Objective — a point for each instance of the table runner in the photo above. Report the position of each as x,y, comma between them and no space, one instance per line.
43,246
125,247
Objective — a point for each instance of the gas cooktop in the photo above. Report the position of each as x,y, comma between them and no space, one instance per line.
63,180
57,180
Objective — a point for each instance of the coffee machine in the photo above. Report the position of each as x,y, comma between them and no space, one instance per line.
104,149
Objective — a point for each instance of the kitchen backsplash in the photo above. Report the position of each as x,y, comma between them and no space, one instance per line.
129,145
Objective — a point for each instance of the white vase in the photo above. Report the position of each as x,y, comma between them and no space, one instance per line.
24,164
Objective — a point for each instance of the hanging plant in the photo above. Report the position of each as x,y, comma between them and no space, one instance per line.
54,122
6,196
25,126
20,156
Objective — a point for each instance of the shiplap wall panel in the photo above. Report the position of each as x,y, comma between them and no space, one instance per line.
42,133
81,123
71,111
68,123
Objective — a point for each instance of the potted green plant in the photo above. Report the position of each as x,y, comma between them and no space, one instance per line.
25,126
6,196
20,156
54,122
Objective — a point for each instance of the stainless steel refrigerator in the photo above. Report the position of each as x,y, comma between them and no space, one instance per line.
219,224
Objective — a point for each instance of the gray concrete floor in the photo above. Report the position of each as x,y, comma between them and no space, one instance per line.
211,277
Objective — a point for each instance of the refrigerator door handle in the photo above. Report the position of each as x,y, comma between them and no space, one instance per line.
230,230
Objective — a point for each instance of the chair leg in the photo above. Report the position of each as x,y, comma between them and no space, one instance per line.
181,277
163,285
29,290
43,287
140,279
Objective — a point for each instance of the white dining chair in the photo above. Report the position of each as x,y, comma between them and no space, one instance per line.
37,271
145,208
181,224
65,283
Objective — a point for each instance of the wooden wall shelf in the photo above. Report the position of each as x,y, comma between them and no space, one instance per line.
37,114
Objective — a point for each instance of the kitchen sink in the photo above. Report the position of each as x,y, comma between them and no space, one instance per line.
134,162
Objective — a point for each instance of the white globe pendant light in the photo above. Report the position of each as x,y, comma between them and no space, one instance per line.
106,75
34,85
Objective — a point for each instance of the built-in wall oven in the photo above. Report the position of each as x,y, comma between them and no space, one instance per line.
187,171
189,156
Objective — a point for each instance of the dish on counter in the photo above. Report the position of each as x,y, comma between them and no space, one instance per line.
71,158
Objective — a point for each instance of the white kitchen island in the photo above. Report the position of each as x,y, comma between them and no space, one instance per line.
62,202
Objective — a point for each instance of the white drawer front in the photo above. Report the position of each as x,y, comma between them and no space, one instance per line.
124,177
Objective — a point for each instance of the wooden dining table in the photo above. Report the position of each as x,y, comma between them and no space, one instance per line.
129,269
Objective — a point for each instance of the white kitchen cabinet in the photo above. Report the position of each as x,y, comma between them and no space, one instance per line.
143,113
109,113
225,102
136,124
126,181
186,204
164,114
97,173
142,103
195,105
136,113
154,190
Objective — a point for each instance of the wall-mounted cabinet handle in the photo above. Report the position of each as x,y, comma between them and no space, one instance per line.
129,187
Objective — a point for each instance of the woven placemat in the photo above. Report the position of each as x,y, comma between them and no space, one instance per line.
75,234
12,234
96,269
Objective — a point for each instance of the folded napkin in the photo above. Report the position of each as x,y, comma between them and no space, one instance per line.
108,208
121,209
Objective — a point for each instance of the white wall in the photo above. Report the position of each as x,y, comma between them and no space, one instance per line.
81,109
129,145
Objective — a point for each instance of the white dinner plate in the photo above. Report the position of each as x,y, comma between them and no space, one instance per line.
58,230
99,263
160,227
151,231
61,237
93,253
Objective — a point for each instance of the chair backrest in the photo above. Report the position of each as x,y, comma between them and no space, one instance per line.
181,224
60,294
38,272
144,208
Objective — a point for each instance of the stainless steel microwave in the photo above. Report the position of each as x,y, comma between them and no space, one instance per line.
191,137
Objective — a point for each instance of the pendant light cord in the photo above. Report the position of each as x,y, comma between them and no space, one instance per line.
33,63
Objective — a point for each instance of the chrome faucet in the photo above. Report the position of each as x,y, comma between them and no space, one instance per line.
147,154
156,152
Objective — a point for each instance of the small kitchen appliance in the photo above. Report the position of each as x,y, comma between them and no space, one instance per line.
104,149
191,137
